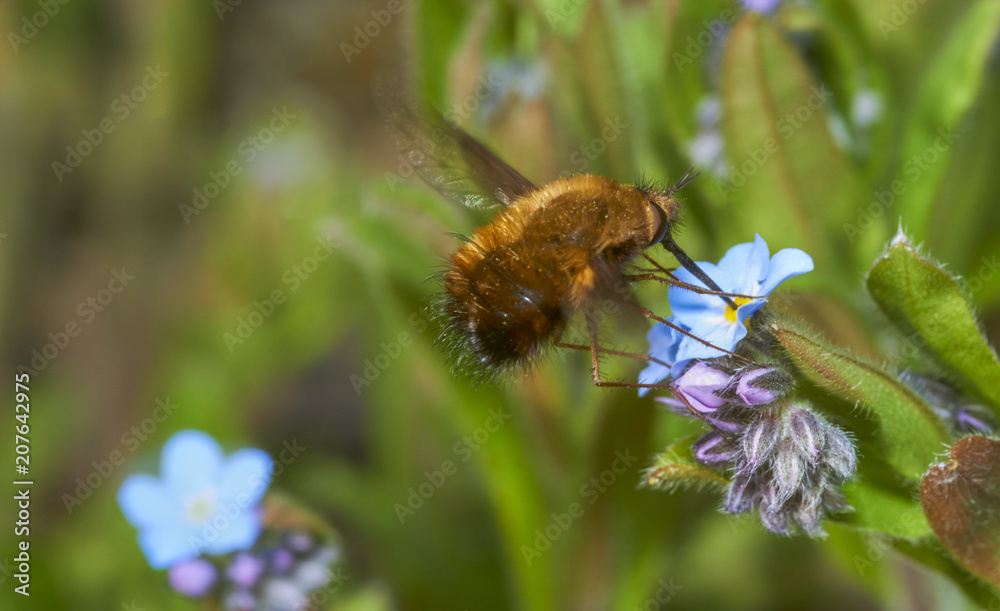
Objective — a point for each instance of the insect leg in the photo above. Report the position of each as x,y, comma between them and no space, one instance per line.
673,281
595,350
650,314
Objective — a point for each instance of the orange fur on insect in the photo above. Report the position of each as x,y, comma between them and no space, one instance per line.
511,288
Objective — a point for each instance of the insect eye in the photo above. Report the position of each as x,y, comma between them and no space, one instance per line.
660,224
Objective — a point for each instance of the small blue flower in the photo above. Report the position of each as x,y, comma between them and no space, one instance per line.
203,501
747,269
663,344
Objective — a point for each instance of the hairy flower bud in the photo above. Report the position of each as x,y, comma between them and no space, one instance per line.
762,386
808,513
789,469
838,455
975,418
807,432
713,448
759,439
773,514
744,492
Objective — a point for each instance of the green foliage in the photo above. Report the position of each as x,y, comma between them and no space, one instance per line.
911,435
676,467
835,186
928,307
787,165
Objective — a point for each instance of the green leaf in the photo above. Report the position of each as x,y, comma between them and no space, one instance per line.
948,91
676,467
884,511
910,433
786,167
962,501
927,304
440,25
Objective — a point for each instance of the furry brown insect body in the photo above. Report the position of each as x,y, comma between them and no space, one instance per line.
550,251
553,251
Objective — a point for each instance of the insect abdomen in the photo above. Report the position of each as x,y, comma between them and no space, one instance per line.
498,316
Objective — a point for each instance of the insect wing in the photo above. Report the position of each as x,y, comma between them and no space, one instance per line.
449,159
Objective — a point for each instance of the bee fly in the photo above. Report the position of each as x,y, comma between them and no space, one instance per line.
550,251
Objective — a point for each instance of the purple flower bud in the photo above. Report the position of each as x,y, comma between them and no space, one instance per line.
283,594
240,600
311,575
759,439
719,423
806,430
762,386
839,453
751,394
788,470
282,560
194,577
327,555
742,495
761,6
808,515
674,406
245,570
973,418
834,501
724,425
714,449
773,515
699,385
300,542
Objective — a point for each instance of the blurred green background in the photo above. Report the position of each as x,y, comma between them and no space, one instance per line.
226,159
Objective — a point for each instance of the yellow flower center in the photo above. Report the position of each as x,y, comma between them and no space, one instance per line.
731,311
201,507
